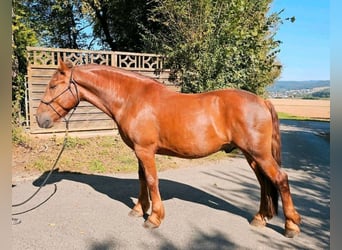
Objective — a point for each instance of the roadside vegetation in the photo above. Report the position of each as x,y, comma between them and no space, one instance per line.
286,116
111,155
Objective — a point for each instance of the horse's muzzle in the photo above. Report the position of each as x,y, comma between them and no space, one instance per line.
44,120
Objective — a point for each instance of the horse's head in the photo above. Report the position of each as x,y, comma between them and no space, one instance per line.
61,95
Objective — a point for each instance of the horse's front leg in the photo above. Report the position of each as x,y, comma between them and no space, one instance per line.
143,203
146,157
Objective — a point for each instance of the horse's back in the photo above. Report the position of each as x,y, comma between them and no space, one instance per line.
201,124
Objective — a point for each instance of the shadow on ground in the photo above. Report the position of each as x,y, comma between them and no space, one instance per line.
306,150
123,189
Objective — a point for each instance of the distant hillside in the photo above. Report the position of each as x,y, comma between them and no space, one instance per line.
300,89
295,85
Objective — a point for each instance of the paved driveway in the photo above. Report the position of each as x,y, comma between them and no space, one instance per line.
207,206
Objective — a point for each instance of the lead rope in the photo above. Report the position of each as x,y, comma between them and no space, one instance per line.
17,221
71,81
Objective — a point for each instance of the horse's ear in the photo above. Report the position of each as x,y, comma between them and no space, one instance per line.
64,66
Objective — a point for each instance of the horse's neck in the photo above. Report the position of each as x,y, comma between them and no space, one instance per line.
104,92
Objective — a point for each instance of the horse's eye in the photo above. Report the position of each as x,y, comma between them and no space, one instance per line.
53,86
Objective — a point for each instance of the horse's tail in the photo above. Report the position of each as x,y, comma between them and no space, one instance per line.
276,143
271,191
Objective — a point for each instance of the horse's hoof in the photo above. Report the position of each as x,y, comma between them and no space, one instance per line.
134,213
291,229
150,225
258,223
289,233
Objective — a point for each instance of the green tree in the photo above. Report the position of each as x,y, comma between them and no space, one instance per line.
119,23
22,35
213,44
61,23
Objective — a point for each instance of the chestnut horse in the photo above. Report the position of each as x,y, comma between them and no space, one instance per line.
152,119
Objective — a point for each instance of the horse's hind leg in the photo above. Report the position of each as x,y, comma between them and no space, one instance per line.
271,170
143,203
268,196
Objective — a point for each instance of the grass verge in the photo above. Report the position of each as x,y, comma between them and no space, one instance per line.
100,154
285,116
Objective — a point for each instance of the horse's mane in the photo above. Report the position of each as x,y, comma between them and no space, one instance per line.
121,71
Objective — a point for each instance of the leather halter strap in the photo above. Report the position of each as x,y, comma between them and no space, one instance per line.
76,96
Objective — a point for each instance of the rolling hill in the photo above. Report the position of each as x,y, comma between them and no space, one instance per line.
300,89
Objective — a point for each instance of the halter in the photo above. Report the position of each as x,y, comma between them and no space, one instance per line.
48,103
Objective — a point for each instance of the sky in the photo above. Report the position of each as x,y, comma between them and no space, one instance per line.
305,51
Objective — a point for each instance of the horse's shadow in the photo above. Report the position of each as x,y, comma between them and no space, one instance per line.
124,189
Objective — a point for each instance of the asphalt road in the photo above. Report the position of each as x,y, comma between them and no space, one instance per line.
207,206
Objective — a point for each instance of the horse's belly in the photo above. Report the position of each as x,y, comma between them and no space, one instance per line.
192,146
197,131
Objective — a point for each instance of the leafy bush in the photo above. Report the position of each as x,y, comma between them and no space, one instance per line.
217,44
19,137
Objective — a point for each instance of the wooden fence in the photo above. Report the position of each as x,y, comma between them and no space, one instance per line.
43,62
